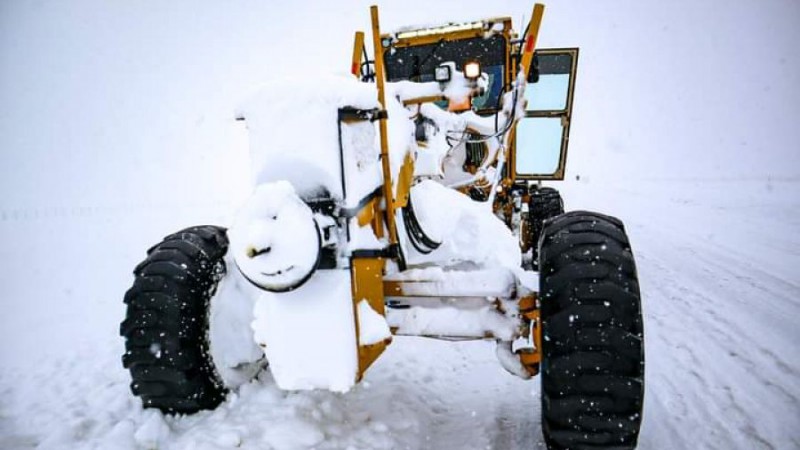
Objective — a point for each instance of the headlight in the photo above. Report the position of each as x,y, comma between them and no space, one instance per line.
442,74
472,70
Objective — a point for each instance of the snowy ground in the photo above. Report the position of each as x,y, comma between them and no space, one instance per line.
117,129
718,267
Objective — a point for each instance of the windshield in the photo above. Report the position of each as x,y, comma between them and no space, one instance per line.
418,63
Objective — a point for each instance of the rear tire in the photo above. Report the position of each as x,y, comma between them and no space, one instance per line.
166,324
592,349
545,203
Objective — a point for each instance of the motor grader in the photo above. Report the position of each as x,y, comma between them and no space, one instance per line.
418,211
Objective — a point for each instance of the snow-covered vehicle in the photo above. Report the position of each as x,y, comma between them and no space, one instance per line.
412,205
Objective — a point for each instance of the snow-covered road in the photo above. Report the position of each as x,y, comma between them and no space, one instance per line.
117,129
717,262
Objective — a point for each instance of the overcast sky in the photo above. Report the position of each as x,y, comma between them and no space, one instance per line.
125,102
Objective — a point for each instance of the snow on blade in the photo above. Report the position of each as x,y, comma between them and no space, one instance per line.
372,327
308,334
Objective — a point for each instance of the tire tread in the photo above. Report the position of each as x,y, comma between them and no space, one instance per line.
593,357
166,323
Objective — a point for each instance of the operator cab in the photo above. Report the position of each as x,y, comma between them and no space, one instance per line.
483,56
434,54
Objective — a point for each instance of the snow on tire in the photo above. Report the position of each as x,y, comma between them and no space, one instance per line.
166,324
593,353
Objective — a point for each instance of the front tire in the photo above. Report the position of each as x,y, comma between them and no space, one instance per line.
593,353
166,324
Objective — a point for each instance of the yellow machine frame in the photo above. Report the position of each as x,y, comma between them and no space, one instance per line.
368,269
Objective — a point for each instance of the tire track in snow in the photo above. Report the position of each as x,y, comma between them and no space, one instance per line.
684,398
750,276
676,308
703,299
719,295
708,296
747,428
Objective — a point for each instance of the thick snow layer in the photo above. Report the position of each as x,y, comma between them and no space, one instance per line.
466,229
372,327
720,297
233,347
400,132
294,134
308,334
115,134
453,321
430,281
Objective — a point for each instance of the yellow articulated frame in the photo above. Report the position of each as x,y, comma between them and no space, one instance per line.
370,214
366,277
367,214
368,267
386,168
528,308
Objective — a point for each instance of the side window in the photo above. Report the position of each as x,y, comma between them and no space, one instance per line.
542,136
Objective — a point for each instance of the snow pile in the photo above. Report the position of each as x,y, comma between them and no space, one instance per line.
236,356
308,335
718,272
468,231
454,321
295,136
492,282
455,303
90,407
292,124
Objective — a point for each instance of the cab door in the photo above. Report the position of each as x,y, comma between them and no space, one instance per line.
542,136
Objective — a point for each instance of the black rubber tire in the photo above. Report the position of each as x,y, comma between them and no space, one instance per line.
166,324
592,350
545,203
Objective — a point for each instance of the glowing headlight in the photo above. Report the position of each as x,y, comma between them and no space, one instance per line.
472,70
442,74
